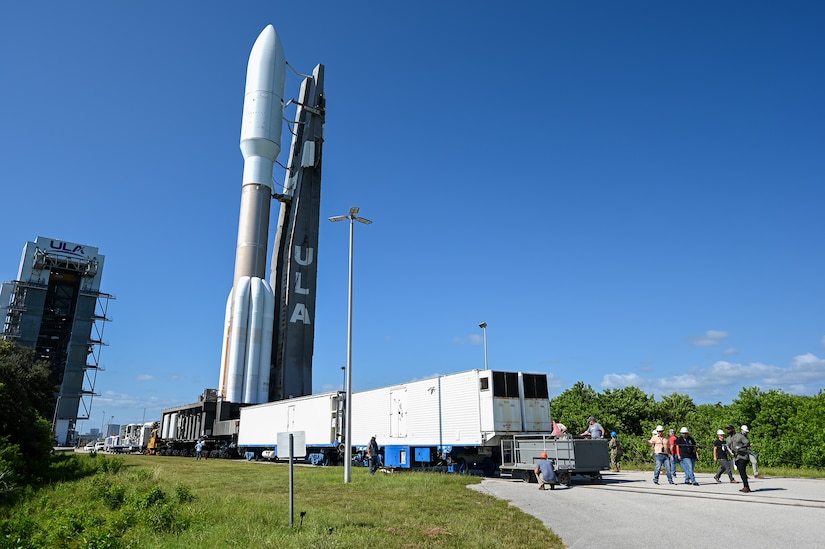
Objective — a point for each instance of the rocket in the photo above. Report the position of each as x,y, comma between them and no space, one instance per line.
250,308
269,327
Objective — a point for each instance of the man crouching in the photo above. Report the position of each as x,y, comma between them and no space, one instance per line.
545,473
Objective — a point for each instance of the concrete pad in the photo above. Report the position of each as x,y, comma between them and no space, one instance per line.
628,510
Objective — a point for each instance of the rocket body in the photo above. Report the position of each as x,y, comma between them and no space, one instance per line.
250,309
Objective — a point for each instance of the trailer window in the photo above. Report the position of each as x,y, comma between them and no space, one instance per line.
485,384
505,384
535,386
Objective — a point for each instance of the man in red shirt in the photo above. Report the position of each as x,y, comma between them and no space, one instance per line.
673,461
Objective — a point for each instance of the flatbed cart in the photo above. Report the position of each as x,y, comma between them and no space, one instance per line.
584,457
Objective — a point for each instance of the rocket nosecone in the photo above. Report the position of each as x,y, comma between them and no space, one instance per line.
248,328
263,108
263,111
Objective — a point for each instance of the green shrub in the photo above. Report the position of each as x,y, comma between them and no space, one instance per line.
66,468
102,539
114,497
154,496
68,524
110,465
17,531
142,474
165,518
123,519
183,494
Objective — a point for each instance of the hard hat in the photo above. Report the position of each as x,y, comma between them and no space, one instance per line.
612,433
720,432
543,455
683,430
745,428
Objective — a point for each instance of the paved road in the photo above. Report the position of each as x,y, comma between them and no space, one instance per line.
628,510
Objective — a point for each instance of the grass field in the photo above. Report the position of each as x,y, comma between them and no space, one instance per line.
147,501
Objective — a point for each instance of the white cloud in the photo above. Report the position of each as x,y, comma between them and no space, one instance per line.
805,376
730,351
710,339
554,381
145,377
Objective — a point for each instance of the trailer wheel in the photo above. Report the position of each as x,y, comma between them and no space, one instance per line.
564,478
528,476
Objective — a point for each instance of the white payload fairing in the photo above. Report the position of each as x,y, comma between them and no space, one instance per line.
250,309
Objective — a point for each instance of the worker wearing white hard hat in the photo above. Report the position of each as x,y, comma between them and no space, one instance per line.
661,451
688,454
740,447
721,454
752,456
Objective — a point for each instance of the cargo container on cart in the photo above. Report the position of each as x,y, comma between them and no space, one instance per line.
453,422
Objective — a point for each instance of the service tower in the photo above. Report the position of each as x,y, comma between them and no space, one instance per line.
56,308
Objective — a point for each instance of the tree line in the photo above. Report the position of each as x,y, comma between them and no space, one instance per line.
785,430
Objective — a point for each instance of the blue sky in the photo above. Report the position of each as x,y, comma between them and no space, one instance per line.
628,193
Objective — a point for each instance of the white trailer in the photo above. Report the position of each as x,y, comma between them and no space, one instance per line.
134,437
316,415
454,421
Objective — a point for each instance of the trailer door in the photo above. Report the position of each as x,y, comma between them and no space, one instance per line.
290,418
398,406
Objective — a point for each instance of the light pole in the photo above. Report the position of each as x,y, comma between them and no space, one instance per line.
353,217
483,327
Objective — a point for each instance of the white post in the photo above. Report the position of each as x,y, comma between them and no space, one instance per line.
353,212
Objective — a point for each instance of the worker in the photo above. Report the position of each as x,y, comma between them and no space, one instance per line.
595,430
661,451
615,452
375,457
739,445
545,472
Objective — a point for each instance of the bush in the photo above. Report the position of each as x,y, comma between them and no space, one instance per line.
165,518
154,496
114,497
17,531
109,465
183,494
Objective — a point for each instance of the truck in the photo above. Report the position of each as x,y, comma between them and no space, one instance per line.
454,422
133,437
211,420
